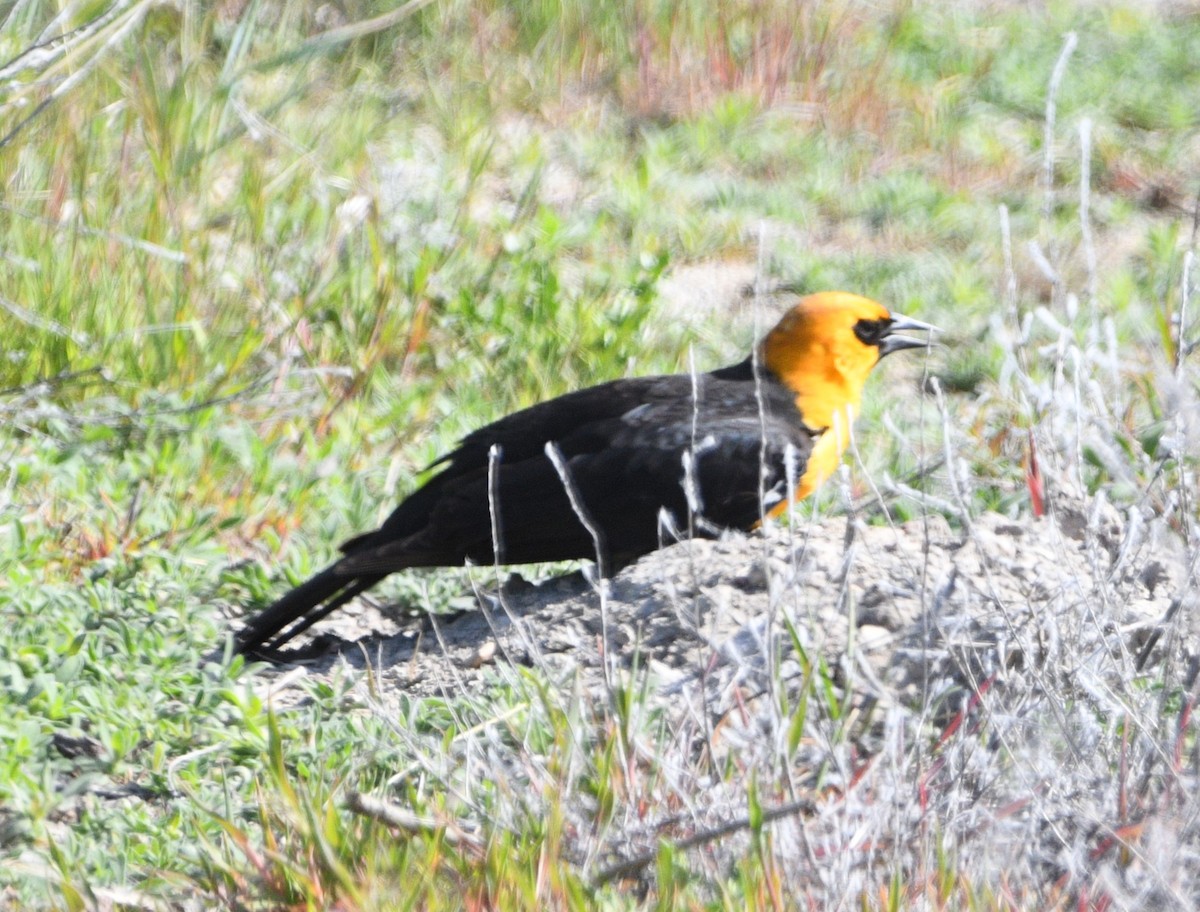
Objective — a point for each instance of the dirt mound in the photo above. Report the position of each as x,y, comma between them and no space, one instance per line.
894,612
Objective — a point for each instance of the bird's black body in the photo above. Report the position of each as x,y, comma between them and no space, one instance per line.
624,446
617,470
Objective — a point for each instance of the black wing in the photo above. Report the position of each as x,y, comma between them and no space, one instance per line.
667,460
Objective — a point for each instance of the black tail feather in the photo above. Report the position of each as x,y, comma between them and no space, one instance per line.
300,609
358,586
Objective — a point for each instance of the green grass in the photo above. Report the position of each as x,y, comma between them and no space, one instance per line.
253,283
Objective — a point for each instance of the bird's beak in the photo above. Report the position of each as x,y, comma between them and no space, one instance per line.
899,343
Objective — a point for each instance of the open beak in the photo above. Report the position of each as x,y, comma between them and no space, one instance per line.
898,343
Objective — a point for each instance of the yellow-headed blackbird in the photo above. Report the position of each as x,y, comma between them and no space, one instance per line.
617,470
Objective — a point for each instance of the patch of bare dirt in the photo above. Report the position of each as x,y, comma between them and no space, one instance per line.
897,612
707,287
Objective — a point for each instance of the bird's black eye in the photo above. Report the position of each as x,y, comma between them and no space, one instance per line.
872,332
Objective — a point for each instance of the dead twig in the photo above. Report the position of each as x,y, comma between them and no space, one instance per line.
633,865
455,833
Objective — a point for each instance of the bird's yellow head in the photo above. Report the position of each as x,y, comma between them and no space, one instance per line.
825,347
823,350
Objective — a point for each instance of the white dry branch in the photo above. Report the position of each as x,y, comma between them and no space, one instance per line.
1056,78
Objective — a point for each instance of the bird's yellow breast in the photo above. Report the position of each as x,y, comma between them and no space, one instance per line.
823,459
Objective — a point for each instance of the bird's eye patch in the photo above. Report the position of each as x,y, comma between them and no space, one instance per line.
872,332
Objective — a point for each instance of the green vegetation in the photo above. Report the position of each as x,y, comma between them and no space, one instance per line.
259,268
